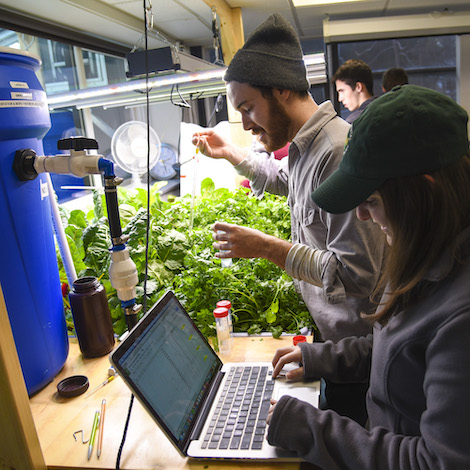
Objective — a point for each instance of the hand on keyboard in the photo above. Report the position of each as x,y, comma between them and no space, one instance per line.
271,410
239,420
285,356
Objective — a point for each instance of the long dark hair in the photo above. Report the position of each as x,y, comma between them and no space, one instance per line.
425,214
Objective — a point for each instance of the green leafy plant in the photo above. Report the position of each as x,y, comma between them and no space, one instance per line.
181,257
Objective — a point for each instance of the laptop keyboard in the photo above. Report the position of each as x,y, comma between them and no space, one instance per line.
239,421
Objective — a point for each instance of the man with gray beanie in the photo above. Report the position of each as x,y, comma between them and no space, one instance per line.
335,260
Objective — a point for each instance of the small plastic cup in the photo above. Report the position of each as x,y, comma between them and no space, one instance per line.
299,339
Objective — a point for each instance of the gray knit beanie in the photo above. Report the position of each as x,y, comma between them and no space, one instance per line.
271,57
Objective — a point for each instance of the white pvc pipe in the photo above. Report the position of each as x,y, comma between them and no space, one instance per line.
64,248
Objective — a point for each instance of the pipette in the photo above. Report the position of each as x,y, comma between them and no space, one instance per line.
193,194
112,375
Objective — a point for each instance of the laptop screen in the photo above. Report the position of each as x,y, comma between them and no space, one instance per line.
169,365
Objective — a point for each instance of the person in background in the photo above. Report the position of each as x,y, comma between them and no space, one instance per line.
278,155
406,167
392,77
354,85
335,260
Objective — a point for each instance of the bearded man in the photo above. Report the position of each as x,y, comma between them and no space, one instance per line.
335,260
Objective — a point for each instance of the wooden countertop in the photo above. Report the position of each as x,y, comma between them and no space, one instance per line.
146,447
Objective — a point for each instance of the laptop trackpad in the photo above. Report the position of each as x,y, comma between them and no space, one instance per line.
305,391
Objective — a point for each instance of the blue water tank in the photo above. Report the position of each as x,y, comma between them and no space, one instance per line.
29,273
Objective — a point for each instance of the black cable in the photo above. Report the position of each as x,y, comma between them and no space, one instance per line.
183,103
126,426
217,107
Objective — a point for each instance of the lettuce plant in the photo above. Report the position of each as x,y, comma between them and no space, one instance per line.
180,257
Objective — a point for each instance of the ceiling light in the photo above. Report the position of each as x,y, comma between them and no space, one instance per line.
313,3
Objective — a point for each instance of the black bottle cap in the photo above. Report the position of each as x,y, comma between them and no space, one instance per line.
73,386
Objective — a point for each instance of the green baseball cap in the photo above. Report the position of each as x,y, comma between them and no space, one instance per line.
408,131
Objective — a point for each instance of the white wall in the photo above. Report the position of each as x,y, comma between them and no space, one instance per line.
165,119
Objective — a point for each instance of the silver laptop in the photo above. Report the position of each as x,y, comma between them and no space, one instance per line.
206,408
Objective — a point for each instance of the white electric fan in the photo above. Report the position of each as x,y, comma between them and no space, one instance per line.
129,148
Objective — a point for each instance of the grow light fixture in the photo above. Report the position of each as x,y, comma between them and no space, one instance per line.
164,59
194,84
93,97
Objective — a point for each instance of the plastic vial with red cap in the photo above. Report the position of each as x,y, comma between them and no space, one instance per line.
226,262
228,305
222,324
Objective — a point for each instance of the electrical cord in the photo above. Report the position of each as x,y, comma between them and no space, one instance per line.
217,107
126,426
148,17
183,103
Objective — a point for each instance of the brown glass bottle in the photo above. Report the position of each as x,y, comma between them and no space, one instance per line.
91,317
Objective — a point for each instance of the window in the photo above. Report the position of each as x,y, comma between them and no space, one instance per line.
429,61
59,65
59,74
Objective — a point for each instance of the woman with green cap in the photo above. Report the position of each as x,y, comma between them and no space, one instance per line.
406,166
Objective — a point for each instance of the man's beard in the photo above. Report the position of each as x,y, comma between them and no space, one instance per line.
277,131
